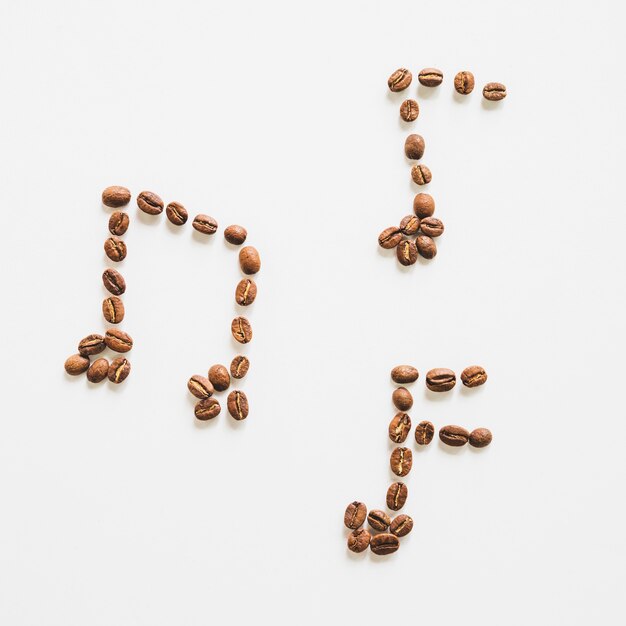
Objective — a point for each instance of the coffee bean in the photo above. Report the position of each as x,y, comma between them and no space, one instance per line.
396,496
414,147
249,260
440,379
390,238
378,520
150,203
91,344
430,77
355,514
115,196
464,82
455,436
432,227
401,525
480,437
207,409
113,282
176,213
205,224
358,540
115,249
219,377
404,374
401,461
237,403
424,433
200,387
426,246
118,223
113,309
117,340
406,252
235,234
245,293
241,330
410,225
76,364
384,543
474,376
421,175
399,427
402,399
423,205
239,366
119,370
400,80
494,91
98,371
409,110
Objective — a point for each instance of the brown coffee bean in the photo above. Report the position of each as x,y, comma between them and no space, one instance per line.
494,91
401,525
401,461
245,293
235,234
390,238
464,82
426,246
241,330
98,371
115,196
76,364
378,520
205,224
399,427
423,205
119,370
474,376
176,213
115,249
480,438
207,409
237,404
409,110
404,374
249,260
117,340
430,77
118,223
219,377
406,252
400,80
358,540
200,387
113,309
455,436
113,282
91,344
421,175
432,227
402,399
384,543
414,147
440,379
150,203
410,225
424,433
396,496
355,514
239,366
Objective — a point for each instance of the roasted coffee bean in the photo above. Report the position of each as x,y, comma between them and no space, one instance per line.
237,404
400,80
245,292
456,436
480,437
399,427
424,433
239,366
464,82
410,225
414,147
431,226
241,330
355,514
384,543
406,252
421,175
404,374
378,520
91,344
249,260
76,364
119,370
396,496
430,77
409,110
113,282
402,399
115,249
98,371
205,224
440,379
113,309
494,91
176,213
118,223
235,234
401,461
474,376
358,540
207,409
219,377
401,525
117,340
426,246
390,238
423,205
200,387
115,196
150,203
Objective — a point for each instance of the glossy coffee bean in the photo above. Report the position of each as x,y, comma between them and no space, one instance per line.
200,387
219,377
235,234
150,203
396,496
480,438
241,330
399,80
426,246
430,77
176,213
237,404
384,543
119,369
76,364
404,374
424,433
409,110
402,399
390,238
359,540
423,205
118,223
91,344
113,309
432,227
113,282
406,252
399,427
115,196
245,293
249,260
440,379
239,366
494,91
410,225
421,175
205,224
355,515
98,371
401,525
378,520
117,340
455,436
464,82
414,147
401,461
474,376
207,409
115,249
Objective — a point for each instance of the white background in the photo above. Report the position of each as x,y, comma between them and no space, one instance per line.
117,507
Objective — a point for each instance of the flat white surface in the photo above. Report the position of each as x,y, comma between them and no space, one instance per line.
117,508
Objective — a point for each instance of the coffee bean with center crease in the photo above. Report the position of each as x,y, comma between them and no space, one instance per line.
235,234
399,80
176,213
119,370
113,282
455,436
409,110
410,225
421,175
207,409
378,520
432,227
402,399
115,249
494,91
76,364
219,377
390,238
200,387
384,544
239,366
117,340
205,224
358,540
440,379
401,525
355,514
399,427
396,496
249,260
245,293
480,437
241,330
118,223
91,344
237,404
414,147
474,376
404,374
115,196
430,77
426,246
464,82
98,371
150,203
423,205
424,433
406,253
113,309
401,461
